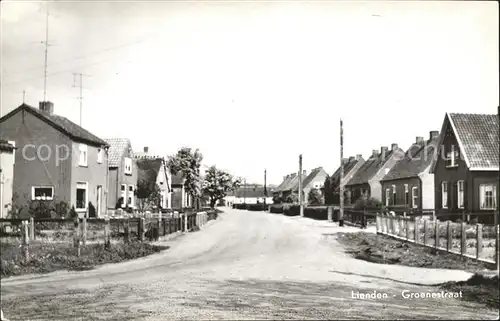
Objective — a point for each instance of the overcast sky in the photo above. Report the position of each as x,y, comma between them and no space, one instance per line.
253,85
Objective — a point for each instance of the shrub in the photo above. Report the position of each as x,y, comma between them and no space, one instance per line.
72,212
292,198
291,210
368,204
119,203
315,197
92,211
276,208
277,199
257,207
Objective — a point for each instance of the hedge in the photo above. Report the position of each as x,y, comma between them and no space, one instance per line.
252,207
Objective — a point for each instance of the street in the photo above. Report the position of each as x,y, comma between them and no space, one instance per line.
244,265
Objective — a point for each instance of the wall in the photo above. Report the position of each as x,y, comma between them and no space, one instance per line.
177,197
356,191
113,189
428,194
6,181
30,169
375,186
163,183
320,178
400,192
94,174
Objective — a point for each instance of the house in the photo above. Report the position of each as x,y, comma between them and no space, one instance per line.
288,186
315,179
410,184
154,170
466,166
351,166
180,197
253,194
366,181
122,174
55,159
6,177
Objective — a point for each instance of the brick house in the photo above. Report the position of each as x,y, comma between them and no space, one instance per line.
122,174
55,159
153,170
410,184
366,181
252,194
466,167
351,167
315,179
6,177
290,183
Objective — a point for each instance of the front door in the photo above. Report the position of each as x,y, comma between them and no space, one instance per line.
99,197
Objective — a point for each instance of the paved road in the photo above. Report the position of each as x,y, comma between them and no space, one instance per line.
245,265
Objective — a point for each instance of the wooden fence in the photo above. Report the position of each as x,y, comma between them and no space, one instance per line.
82,231
475,241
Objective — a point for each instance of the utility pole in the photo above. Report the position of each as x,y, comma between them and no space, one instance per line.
46,55
301,205
80,85
341,187
265,186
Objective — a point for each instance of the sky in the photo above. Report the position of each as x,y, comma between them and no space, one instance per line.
255,84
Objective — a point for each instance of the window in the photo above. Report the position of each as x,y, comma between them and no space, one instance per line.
13,143
130,200
42,193
452,157
460,194
81,196
387,196
487,196
317,185
393,194
444,194
128,165
83,155
123,194
414,197
100,155
407,196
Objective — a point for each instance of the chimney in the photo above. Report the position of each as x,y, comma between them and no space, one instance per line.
433,134
146,150
419,140
351,159
394,146
345,160
358,157
374,152
47,107
383,151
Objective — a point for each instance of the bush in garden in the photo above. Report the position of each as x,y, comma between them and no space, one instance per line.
276,209
368,204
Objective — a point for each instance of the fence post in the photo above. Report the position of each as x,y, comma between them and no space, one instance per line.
185,223
126,230
330,213
377,222
107,233
84,232
32,228
76,236
463,239
417,230
141,231
426,232
407,227
436,234
26,239
449,236
479,240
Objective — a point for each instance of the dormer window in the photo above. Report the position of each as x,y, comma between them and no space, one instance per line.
452,157
128,166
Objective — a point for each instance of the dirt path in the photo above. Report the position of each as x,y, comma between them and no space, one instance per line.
245,265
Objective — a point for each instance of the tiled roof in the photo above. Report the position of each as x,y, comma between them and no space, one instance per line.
118,147
371,167
148,169
348,166
478,134
286,181
308,178
251,191
5,145
62,124
292,183
415,161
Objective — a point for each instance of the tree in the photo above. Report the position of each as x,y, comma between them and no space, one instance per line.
328,190
148,195
218,183
315,197
188,162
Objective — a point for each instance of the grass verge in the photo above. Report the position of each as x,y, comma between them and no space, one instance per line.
49,257
385,250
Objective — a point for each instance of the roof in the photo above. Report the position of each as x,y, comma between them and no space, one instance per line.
251,191
6,146
371,167
117,148
148,169
477,136
416,160
348,167
309,178
292,183
283,184
64,125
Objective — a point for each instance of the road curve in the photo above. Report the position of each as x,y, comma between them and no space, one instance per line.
245,265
